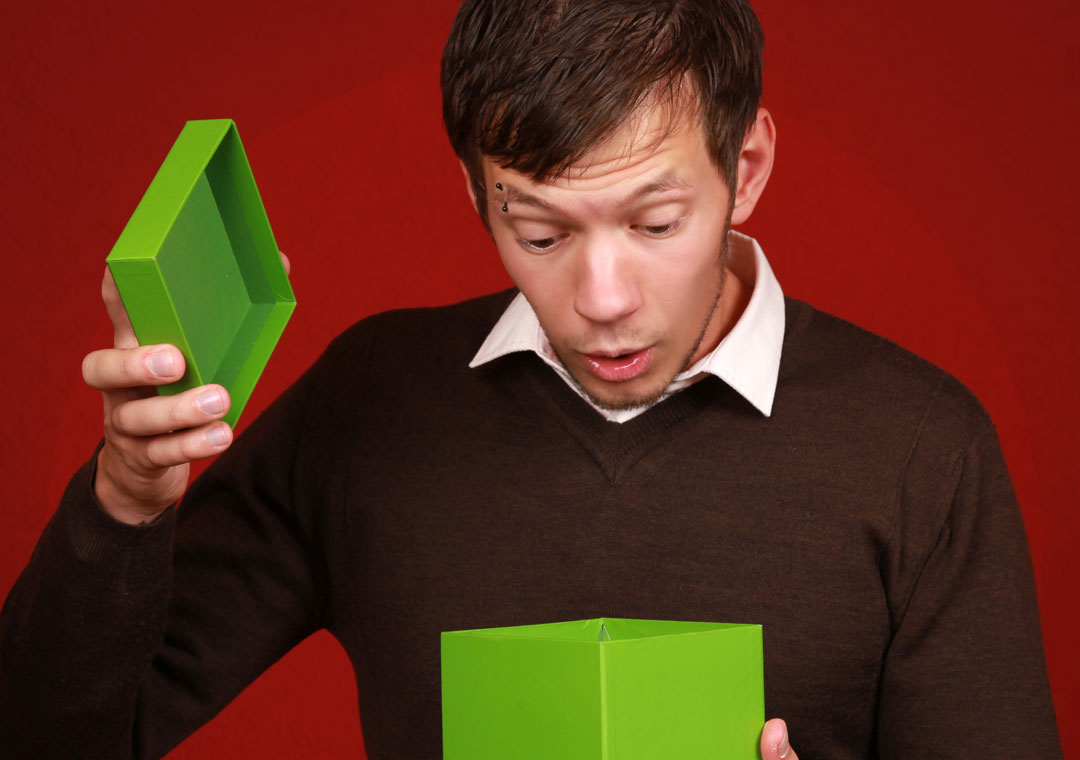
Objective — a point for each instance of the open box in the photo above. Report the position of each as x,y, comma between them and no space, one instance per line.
603,689
197,265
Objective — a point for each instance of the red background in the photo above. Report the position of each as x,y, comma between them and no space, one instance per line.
922,189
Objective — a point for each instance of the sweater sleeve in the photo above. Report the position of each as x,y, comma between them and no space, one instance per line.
964,675
118,641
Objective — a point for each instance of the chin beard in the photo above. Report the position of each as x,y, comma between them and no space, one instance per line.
614,405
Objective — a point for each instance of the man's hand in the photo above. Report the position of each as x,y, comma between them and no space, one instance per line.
149,439
774,741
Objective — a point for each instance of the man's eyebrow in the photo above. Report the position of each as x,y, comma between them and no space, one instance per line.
512,195
664,184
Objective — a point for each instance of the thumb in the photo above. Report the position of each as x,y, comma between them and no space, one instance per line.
774,741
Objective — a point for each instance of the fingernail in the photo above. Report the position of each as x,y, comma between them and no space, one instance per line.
783,747
215,436
162,364
210,402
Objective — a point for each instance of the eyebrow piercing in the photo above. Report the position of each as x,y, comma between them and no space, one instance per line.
498,186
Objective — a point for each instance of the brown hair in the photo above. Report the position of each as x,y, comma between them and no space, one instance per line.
535,84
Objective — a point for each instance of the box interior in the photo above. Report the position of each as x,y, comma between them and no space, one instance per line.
210,264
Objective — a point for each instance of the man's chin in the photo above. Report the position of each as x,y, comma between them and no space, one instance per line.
621,399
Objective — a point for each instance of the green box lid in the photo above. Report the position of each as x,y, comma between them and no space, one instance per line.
603,689
197,265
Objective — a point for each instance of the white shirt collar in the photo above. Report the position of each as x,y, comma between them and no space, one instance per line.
747,359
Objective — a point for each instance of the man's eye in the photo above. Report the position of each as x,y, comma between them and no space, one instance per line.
541,245
660,230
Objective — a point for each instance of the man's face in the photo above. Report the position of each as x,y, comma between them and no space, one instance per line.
622,258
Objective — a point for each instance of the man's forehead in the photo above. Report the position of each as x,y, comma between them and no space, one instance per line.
652,132
663,116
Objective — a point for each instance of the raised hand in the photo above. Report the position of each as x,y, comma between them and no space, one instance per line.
149,439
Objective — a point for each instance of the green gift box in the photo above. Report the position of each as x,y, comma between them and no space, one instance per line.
603,689
197,265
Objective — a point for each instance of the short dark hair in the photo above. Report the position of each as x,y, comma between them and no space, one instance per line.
535,84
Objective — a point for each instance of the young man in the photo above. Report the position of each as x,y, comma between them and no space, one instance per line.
647,428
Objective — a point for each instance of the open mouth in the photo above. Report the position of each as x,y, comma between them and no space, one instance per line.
619,368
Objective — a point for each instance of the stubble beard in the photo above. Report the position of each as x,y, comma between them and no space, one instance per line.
653,396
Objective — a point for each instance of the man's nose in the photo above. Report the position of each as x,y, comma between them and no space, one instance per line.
606,288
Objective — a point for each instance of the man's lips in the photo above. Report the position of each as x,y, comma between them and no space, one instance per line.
618,369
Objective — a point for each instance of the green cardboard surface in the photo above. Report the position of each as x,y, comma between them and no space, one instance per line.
603,689
197,265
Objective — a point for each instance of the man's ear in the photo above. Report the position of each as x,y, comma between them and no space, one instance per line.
468,185
755,165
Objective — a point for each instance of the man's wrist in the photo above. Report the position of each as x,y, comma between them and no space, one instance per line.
118,504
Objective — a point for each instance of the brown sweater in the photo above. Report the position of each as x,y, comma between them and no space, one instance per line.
869,525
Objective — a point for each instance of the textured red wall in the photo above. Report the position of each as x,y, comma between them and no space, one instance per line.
922,188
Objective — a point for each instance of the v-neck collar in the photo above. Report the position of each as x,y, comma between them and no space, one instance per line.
615,447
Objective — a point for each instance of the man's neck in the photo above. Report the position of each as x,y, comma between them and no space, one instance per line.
733,300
